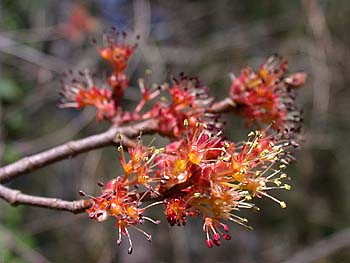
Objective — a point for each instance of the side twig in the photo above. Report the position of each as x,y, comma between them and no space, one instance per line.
15,197
72,148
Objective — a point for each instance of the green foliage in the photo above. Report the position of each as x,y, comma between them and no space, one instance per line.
9,90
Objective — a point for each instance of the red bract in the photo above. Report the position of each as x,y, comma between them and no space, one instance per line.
266,96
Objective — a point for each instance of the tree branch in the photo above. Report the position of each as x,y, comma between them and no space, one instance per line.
15,197
226,105
72,148
323,248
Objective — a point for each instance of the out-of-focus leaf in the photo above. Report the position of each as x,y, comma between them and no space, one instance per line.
16,122
11,154
9,90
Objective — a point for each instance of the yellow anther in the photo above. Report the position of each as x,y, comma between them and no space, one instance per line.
256,208
251,134
282,166
287,187
196,195
277,182
120,148
264,152
185,122
161,150
283,204
283,176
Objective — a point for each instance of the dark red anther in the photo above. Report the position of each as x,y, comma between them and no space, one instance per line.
216,236
217,242
226,236
210,243
129,250
226,229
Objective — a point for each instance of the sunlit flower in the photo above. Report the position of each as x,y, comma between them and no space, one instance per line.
118,202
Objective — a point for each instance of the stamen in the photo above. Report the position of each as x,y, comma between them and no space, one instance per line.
130,242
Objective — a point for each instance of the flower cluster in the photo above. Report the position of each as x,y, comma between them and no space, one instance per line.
200,173
82,93
267,96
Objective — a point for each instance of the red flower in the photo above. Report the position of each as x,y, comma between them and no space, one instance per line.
266,96
177,210
117,201
188,101
76,95
116,52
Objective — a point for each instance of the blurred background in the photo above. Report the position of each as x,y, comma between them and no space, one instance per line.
41,39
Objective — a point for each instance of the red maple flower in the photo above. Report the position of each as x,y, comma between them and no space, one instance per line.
117,201
266,96
80,94
116,52
188,100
